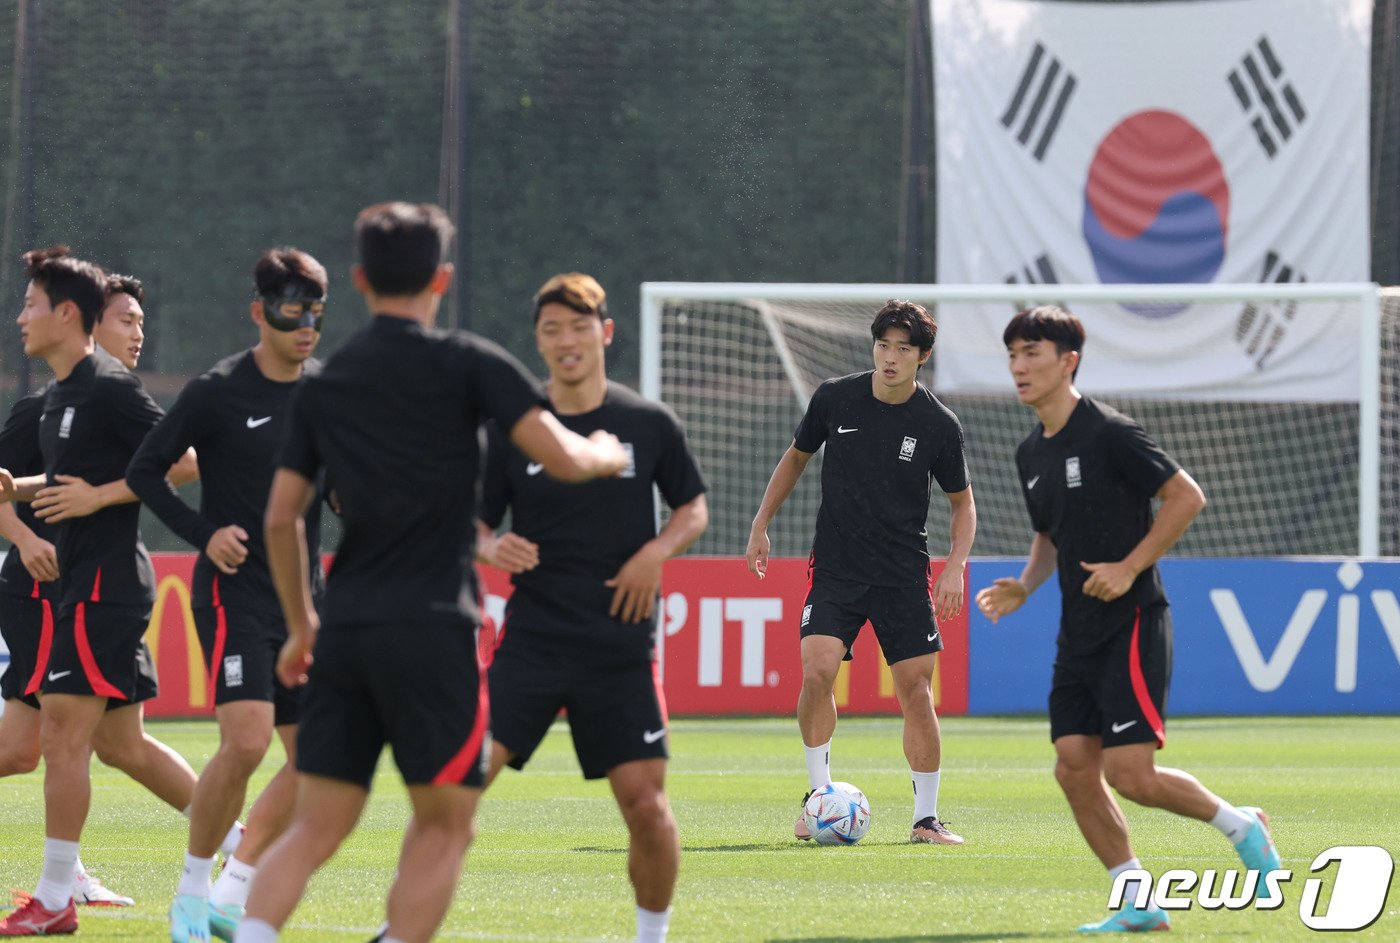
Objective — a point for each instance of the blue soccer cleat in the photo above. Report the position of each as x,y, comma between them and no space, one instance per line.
224,920
1130,920
189,919
1257,849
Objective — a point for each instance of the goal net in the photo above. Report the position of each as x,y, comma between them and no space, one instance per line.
1282,400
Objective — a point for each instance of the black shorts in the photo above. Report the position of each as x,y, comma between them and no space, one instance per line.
413,685
617,713
24,621
240,653
901,615
1118,692
99,648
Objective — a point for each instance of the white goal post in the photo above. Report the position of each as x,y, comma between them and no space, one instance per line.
1285,476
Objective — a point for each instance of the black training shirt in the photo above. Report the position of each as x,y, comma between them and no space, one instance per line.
586,532
1090,487
20,454
393,418
877,475
233,416
93,422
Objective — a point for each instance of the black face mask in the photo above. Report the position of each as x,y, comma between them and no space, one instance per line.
293,310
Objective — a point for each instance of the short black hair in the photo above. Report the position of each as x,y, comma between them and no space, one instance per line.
121,285
911,317
573,290
1047,323
401,246
65,277
283,266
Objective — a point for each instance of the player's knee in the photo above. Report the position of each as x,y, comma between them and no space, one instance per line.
817,677
244,752
647,813
18,759
1076,777
118,752
1133,783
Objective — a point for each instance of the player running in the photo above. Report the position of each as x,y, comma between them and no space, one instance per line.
1089,474
888,440
393,421
580,628
233,417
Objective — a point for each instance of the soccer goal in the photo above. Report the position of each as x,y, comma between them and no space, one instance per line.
1283,400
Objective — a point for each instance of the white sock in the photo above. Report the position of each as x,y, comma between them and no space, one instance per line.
818,764
255,931
55,888
651,925
234,883
1232,822
231,840
925,794
390,939
194,880
1130,887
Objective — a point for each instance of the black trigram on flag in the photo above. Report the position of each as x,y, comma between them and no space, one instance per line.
1038,104
1267,97
1262,327
1039,272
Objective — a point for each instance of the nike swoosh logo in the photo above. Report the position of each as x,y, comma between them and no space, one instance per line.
1119,728
843,429
1031,484
651,736
55,675
254,423
933,636
534,468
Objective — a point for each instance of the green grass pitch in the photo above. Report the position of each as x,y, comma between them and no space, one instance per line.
549,862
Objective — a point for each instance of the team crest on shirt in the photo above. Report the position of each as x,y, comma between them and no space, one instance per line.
631,470
233,671
1072,479
906,451
65,425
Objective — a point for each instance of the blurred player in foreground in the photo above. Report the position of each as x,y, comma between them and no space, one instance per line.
393,421
1089,474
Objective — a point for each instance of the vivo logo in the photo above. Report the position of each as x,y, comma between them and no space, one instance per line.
1268,673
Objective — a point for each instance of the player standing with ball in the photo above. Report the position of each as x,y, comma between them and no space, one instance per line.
888,440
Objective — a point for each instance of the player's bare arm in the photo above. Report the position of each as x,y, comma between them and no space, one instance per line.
1182,499
285,527
784,478
1008,593
39,557
509,551
20,489
74,497
948,590
565,454
636,584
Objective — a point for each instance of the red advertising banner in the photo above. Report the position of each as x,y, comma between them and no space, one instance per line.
728,643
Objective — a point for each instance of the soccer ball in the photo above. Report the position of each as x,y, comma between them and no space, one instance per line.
837,814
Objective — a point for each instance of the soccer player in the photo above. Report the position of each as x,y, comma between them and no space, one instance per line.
233,416
29,591
1089,474
888,440
393,421
94,669
580,628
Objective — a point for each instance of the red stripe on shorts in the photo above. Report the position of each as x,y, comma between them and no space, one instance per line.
41,661
660,693
220,637
100,685
97,586
1149,710
456,769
